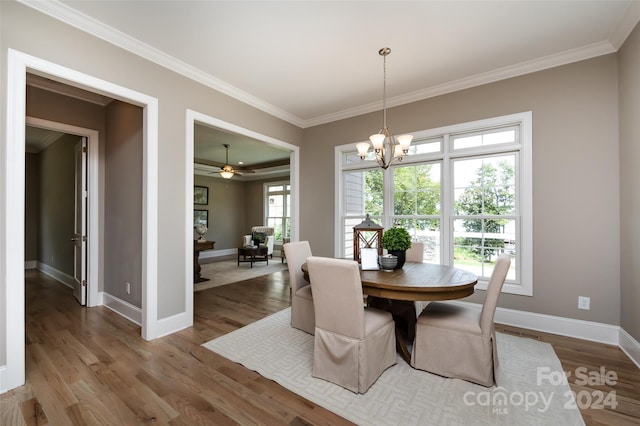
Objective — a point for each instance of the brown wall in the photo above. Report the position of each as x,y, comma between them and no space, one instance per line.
576,243
630,184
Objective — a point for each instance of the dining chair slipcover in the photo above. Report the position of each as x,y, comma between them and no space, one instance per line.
460,342
415,252
353,344
302,313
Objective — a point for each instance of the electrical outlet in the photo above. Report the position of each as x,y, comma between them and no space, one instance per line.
584,303
127,287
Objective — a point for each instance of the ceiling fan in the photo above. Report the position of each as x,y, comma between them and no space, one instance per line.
227,171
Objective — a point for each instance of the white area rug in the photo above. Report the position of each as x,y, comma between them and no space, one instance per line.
227,272
402,395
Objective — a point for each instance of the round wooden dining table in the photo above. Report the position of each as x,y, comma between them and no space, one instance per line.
414,282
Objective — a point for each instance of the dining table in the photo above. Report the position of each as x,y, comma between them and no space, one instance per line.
415,281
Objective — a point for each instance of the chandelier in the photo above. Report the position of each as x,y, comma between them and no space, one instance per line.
393,150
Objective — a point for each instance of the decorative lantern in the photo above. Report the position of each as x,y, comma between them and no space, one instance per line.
367,234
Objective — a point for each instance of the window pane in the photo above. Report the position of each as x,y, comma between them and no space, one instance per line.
425,147
363,192
485,138
278,202
484,186
417,190
479,242
426,231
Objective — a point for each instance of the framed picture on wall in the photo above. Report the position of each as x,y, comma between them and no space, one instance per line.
200,195
201,217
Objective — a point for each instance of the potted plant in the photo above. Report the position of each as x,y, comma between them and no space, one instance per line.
397,241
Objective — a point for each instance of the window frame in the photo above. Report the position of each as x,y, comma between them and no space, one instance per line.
286,210
523,284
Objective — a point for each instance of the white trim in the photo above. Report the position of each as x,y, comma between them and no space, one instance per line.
12,199
218,253
56,274
294,178
95,200
525,193
570,327
3,379
629,346
124,41
30,264
174,323
85,23
190,122
123,308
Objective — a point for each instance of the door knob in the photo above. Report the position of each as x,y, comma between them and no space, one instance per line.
75,239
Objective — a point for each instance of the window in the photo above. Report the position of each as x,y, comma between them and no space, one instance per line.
464,191
278,197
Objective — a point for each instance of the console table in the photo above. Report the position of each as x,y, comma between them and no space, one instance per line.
199,246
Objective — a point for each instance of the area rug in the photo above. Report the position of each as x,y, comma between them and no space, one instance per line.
405,396
227,272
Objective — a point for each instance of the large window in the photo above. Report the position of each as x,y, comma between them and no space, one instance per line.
278,197
464,191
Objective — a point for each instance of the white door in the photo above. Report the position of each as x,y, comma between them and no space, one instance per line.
80,224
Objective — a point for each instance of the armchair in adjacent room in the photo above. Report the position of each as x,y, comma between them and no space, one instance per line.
261,236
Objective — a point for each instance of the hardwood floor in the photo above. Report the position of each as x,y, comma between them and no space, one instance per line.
90,366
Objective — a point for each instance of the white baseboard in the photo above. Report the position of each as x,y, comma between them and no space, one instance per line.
126,309
3,379
218,253
173,324
65,279
580,329
30,264
630,346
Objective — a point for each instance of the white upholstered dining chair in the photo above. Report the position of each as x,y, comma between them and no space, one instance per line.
353,344
460,342
415,252
302,312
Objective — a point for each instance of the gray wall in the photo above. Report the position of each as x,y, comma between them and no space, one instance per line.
227,211
576,160
123,202
57,203
234,207
32,207
629,69
575,178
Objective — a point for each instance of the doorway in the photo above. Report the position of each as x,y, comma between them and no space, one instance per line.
194,118
94,246
12,203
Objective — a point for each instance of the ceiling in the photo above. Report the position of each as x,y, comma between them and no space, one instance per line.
312,62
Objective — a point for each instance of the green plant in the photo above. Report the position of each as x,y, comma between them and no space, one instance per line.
396,238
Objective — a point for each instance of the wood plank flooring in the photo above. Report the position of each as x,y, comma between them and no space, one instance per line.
90,366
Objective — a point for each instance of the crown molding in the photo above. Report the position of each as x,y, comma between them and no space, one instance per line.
626,25
527,67
85,23
109,34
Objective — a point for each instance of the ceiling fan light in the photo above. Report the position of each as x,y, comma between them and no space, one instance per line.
226,172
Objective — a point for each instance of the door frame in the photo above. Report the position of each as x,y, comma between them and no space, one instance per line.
194,117
96,199
12,202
